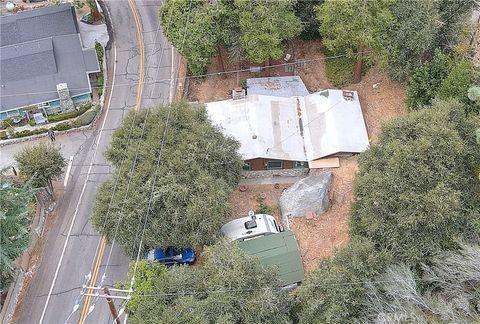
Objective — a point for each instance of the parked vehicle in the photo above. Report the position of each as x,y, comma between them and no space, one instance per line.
252,226
172,256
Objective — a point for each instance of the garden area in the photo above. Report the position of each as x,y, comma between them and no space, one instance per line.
57,122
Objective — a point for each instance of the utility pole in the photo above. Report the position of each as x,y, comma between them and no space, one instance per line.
111,305
95,292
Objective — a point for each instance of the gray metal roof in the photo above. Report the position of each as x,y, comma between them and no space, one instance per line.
293,128
38,23
30,70
287,86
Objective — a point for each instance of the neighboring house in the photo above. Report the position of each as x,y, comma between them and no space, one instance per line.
43,63
284,132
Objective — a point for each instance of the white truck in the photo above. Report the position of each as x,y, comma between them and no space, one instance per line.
252,226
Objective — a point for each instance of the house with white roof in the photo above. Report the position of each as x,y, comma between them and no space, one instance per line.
284,132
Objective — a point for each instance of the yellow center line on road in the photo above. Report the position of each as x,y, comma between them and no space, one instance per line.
103,240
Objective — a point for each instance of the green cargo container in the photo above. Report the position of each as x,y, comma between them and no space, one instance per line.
280,251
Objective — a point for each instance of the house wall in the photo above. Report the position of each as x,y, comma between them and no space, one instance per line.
261,164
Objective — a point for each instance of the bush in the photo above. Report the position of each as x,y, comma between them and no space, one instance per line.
427,80
262,207
340,70
3,135
7,123
457,83
335,293
27,132
100,52
31,122
62,126
69,115
85,119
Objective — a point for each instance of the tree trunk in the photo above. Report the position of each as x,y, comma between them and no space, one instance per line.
238,73
220,58
266,68
357,77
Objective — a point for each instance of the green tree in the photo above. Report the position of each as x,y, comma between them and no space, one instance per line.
454,15
427,79
353,25
416,185
457,83
191,26
14,224
305,9
336,291
413,35
230,287
42,163
198,169
264,26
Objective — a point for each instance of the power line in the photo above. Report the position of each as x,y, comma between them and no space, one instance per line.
232,291
132,281
299,61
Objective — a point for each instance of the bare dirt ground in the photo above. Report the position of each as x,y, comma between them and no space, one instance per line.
381,100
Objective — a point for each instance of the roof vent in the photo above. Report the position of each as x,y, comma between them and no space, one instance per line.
250,224
348,95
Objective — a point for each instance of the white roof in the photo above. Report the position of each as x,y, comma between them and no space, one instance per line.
292,128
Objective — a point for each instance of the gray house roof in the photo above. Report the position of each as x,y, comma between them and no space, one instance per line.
31,69
37,24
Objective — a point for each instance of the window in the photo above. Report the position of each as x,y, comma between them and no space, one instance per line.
274,164
247,166
300,164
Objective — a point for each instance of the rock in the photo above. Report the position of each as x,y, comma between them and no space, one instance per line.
309,194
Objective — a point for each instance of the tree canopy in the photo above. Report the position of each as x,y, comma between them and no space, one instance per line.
191,26
14,224
412,35
352,26
256,29
230,287
415,186
264,25
335,292
42,163
197,170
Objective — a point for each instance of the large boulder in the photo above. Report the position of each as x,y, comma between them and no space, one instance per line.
307,195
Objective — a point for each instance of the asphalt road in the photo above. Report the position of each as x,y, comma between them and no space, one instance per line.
72,244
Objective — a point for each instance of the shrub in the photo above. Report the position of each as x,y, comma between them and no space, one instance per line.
7,123
85,119
262,207
100,91
31,122
100,52
68,115
457,83
3,135
62,126
427,80
335,293
340,70
27,132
